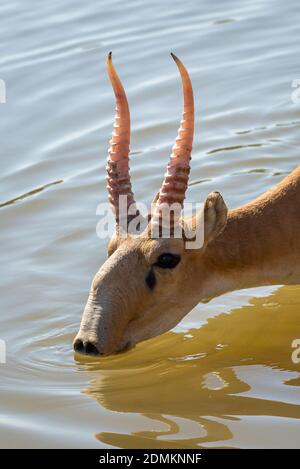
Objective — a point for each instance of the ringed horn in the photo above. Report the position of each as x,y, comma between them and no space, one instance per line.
176,178
118,177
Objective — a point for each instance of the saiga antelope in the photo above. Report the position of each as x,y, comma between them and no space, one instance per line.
147,285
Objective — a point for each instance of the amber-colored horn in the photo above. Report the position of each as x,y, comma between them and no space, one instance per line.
118,179
176,179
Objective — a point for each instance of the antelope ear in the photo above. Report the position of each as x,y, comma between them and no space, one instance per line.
113,244
215,216
206,224
116,240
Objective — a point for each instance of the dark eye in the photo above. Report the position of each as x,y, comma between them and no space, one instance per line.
168,261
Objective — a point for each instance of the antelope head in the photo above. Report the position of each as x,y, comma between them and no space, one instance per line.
148,283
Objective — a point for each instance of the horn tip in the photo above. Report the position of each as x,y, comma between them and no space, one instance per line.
109,56
174,57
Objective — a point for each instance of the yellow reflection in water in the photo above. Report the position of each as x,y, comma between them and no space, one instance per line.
188,382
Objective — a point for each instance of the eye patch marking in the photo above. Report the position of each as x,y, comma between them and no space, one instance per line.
150,279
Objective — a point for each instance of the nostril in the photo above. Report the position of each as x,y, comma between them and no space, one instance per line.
86,348
91,349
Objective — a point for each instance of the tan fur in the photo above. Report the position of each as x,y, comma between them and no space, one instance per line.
256,244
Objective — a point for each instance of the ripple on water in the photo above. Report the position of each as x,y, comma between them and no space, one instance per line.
225,376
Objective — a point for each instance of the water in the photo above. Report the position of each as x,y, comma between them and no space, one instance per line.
224,377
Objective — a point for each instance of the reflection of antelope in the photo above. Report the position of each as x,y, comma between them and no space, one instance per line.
198,381
148,284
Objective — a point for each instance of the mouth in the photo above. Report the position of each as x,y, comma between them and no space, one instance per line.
125,348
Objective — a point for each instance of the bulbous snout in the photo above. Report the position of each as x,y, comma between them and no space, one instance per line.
109,309
102,327
90,339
